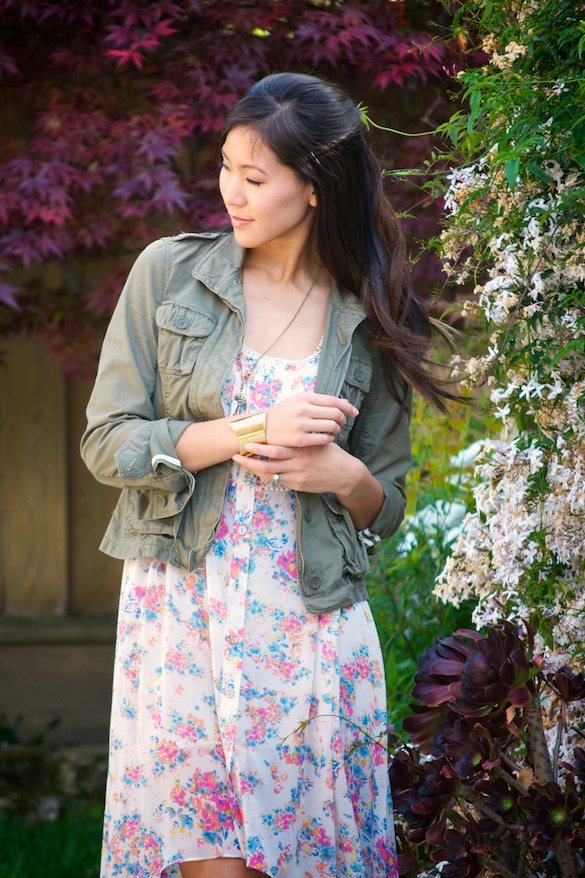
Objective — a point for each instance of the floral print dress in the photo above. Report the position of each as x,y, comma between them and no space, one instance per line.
242,725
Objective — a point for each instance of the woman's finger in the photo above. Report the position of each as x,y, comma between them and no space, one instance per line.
275,452
259,465
333,402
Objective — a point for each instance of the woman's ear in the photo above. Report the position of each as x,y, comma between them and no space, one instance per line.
313,198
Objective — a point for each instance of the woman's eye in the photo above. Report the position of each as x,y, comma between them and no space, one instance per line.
253,182
222,165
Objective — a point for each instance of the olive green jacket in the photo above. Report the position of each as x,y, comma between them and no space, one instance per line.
170,346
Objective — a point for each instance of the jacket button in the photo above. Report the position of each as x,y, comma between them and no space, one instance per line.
360,374
307,515
315,582
162,500
181,323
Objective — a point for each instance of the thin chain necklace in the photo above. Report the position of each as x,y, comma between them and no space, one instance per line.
242,397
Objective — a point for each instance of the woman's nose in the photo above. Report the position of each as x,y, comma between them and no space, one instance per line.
233,192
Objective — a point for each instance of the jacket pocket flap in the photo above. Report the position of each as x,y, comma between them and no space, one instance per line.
184,320
359,374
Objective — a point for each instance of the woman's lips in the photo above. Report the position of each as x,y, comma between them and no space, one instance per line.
239,221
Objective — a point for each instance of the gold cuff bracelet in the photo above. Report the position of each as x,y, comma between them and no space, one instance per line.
252,428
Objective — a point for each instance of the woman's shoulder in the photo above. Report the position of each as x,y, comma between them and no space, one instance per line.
183,242
166,256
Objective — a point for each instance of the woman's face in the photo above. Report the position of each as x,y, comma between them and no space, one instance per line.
266,201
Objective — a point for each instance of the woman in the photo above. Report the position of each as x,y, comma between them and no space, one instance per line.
252,401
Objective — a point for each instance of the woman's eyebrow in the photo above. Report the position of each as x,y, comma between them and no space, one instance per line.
255,167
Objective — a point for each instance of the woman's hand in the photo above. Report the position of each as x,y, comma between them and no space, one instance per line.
307,419
314,468
318,469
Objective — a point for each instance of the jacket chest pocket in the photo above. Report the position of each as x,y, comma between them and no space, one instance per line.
182,332
356,384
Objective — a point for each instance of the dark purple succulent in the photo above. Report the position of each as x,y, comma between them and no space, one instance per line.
568,685
555,815
460,787
463,853
497,802
441,665
498,674
474,675
577,767
469,747
423,792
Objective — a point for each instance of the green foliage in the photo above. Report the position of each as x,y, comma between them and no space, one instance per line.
401,582
514,228
10,732
65,848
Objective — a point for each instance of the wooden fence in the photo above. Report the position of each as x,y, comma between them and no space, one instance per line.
58,592
52,512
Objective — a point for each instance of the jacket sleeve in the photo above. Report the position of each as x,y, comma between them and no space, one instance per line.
384,447
125,444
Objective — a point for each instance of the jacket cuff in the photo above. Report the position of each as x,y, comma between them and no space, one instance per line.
152,459
390,515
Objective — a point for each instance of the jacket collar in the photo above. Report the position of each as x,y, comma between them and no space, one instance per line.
220,267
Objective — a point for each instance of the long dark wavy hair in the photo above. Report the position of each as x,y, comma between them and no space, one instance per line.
313,127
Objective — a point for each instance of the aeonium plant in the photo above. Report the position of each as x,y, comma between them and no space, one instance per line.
493,783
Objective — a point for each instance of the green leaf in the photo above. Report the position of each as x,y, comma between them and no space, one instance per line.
511,168
474,103
539,172
574,344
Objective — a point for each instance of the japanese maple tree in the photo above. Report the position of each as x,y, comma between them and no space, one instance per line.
111,110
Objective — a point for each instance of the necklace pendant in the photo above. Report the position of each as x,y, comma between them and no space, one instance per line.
240,399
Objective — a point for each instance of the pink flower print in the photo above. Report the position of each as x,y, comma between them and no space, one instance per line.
191,729
191,587
131,666
386,854
131,827
177,660
150,600
219,609
179,796
167,751
292,624
293,755
236,568
322,838
254,734
133,775
262,393
328,652
285,670
287,562
209,817
363,667
248,784
279,780
257,861
167,755
262,520
378,755
223,530
228,728
284,820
